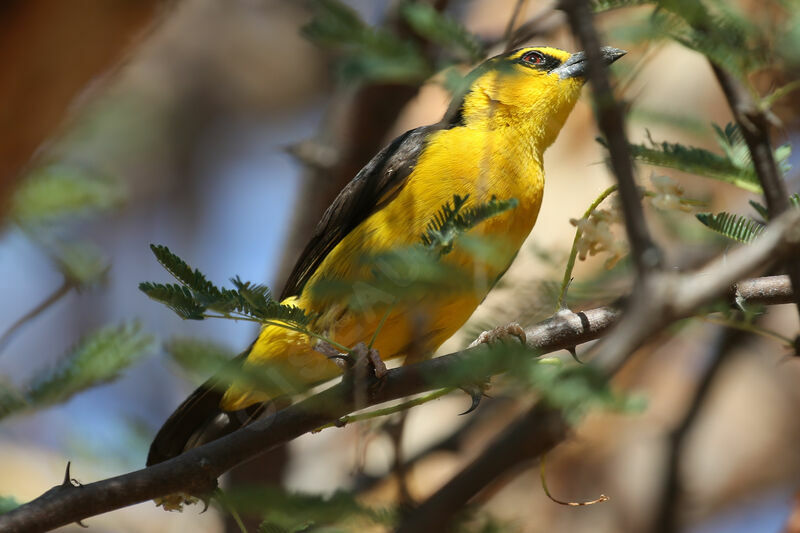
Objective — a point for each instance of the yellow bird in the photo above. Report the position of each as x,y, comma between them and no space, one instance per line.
489,145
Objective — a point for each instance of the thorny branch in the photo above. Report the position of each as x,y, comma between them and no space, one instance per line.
197,470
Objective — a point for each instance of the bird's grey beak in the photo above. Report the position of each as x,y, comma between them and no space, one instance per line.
576,65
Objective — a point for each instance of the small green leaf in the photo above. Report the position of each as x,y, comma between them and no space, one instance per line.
760,208
698,161
181,271
401,275
736,227
732,143
195,295
97,359
287,511
441,29
7,503
575,389
178,298
600,6
11,399
82,262
203,358
53,192
367,54
451,221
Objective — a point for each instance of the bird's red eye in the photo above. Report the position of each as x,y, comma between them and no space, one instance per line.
534,58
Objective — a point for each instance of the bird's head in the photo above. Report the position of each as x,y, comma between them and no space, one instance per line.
533,87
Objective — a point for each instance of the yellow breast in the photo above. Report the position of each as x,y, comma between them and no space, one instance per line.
468,162
462,161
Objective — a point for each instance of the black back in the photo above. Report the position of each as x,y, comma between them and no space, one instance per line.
372,188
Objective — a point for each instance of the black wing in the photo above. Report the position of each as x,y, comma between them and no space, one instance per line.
373,187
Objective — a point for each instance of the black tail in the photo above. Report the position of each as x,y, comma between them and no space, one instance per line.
198,420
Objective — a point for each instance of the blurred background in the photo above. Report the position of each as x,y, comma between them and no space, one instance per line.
221,130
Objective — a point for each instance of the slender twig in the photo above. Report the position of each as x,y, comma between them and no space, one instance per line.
573,254
646,256
531,434
519,7
453,442
59,293
666,517
748,327
544,21
377,413
543,480
395,431
769,100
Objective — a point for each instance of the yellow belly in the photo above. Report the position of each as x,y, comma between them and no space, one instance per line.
457,161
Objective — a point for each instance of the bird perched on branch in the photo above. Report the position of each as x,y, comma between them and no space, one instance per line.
489,145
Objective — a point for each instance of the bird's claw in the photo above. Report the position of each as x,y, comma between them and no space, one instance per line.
359,359
500,333
366,358
476,393
342,360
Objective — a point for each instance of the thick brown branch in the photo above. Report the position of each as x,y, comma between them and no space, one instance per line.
198,469
646,255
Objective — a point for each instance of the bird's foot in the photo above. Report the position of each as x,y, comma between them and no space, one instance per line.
500,333
478,391
369,358
360,359
343,360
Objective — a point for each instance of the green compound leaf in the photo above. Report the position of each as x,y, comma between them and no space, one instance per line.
97,359
441,29
181,271
452,220
367,54
194,295
736,227
177,297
